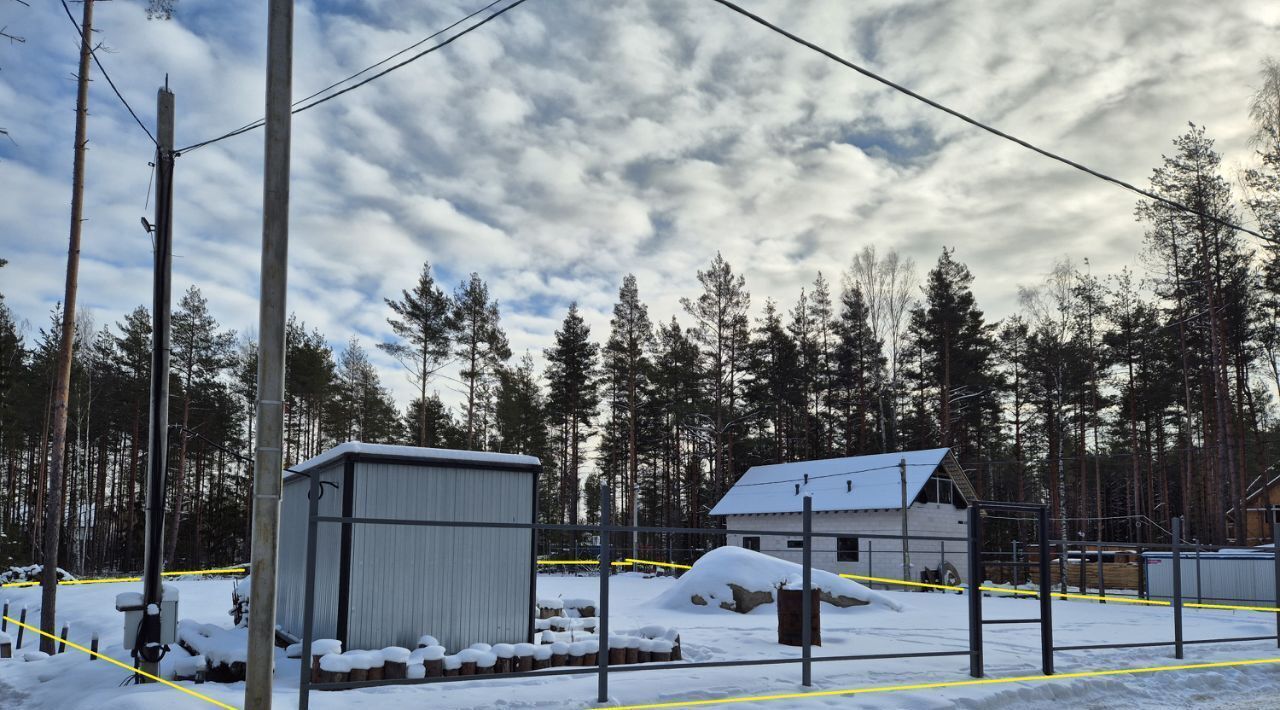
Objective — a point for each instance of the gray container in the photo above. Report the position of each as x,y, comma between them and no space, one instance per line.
1243,578
386,585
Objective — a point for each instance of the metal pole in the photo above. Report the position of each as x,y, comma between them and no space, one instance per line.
1199,593
975,595
268,461
158,436
602,656
1275,561
1046,593
309,592
1177,586
906,548
806,603
1102,580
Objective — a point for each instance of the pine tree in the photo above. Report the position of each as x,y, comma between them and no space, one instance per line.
423,323
859,375
627,369
479,344
720,316
572,402
201,351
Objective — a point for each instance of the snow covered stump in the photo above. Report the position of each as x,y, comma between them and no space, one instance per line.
6,645
791,617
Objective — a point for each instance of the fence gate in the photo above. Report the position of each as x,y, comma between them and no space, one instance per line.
976,621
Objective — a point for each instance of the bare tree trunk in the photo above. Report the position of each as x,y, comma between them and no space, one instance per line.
62,383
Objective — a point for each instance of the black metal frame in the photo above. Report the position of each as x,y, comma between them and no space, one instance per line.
606,528
976,511
1176,547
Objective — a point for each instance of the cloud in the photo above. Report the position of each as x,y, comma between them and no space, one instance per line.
566,144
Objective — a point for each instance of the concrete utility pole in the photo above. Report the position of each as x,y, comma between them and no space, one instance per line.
158,421
906,548
268,462
62,376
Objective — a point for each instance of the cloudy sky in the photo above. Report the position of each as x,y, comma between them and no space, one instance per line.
571,141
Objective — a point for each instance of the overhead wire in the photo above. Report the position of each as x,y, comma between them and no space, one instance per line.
375,65
986,127
94,54
299,109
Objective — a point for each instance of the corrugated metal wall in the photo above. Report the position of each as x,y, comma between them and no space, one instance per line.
291,584
1226,579
461,585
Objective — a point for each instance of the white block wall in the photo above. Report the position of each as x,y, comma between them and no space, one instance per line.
877,557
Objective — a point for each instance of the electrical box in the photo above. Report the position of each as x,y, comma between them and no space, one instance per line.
131,604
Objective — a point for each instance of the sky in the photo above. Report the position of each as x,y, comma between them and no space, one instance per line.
568,143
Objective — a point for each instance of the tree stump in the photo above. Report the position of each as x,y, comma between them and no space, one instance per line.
633,654
617,656
468,668
434,668
643,655
660,656
358,674
377,672
333,677
6,649
395,670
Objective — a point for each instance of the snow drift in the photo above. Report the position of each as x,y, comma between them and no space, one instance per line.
733,578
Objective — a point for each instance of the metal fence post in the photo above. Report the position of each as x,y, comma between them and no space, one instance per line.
1102,580
1275,559
806,604
602,656
1199,593
1046,593
309,592
1176,556
975,595
871,572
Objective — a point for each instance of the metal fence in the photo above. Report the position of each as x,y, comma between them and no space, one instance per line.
605,530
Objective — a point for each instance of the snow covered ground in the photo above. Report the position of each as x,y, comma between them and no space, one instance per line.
926,622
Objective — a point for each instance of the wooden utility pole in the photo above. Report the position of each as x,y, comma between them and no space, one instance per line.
268,462
62,376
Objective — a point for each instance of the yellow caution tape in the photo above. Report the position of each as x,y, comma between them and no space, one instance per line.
948,684
129,668
581,562
107,580
672,565
1063,595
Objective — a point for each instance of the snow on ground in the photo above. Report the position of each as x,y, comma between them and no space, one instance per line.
927,622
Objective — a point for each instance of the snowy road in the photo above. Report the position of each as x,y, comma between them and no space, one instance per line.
928,622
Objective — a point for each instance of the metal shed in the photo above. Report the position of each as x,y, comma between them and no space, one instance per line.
1235,577
379,585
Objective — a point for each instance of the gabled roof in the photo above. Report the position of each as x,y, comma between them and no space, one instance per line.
876,483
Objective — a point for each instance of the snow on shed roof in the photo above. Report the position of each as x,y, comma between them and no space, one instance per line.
877,484
416,452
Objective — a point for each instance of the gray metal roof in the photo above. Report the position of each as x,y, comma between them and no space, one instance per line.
876,483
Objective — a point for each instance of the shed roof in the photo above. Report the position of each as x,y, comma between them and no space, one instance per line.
420,453
876,480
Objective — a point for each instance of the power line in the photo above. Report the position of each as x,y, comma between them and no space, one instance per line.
93,53
388,70
433,35
990,129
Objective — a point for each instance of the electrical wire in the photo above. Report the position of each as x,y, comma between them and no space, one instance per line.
94,54
989,129
299,109
433,35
